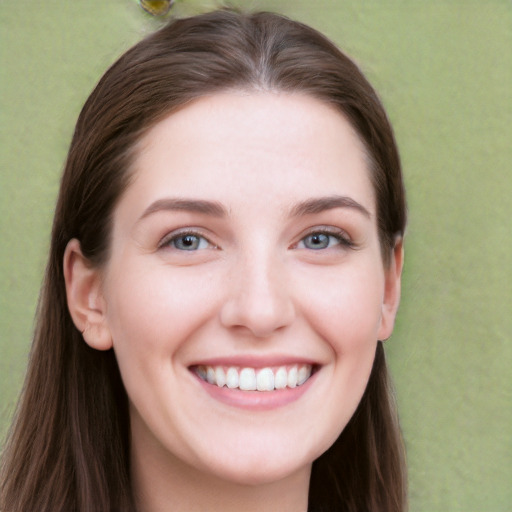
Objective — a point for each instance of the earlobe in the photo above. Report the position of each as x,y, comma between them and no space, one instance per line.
85,299
393,276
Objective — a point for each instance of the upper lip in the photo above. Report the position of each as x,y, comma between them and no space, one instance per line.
252,361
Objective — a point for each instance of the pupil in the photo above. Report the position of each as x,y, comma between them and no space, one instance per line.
188,240
317,241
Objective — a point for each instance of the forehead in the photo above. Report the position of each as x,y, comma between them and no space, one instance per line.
252,147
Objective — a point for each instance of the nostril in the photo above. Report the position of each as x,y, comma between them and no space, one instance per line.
259,299
260,323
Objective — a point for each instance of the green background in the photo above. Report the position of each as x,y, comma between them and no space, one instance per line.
444,71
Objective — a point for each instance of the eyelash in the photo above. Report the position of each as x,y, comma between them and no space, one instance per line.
341,238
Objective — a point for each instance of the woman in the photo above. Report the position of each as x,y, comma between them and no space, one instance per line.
226,255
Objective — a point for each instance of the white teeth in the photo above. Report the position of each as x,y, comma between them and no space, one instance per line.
265,380
250,379
247,379
210,375
232,378
220,376
303,375
281,378
292,377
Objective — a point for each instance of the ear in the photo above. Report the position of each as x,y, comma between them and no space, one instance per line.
85,299
391,300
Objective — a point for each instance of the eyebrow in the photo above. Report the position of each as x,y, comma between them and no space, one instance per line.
318,205
190,205
215,209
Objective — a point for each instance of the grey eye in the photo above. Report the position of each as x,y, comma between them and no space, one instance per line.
317,241
156,7
188,242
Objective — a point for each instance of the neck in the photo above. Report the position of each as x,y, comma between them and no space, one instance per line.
172,485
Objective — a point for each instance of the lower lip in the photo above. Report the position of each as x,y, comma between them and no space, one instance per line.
256,400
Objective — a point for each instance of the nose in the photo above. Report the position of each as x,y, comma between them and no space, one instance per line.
259,301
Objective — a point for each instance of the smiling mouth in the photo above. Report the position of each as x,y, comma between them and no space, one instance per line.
255,379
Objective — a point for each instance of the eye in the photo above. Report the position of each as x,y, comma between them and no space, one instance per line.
186,242
323,240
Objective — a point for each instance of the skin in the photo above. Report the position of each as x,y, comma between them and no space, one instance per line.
255,288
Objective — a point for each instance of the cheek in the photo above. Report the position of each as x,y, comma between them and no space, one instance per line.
152,312
348,318
345,307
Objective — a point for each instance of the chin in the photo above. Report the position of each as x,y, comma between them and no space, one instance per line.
262,467
264,474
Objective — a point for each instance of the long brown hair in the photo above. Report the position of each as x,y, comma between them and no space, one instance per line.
68,448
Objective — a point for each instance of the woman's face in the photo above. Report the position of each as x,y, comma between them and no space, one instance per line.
245,290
